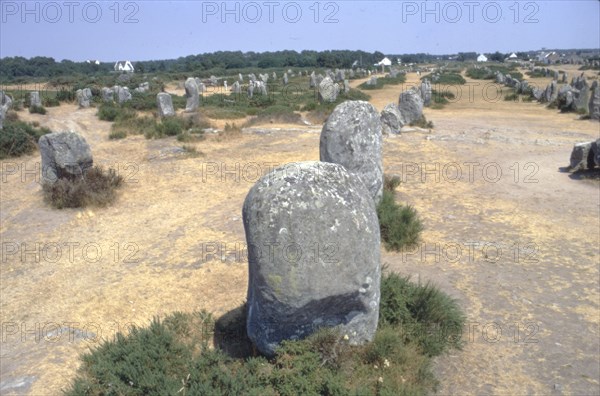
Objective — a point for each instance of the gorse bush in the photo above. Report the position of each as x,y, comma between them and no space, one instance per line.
400,226
18,137
173,356
37,110
94,188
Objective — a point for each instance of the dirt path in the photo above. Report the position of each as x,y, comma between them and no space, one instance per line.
532,303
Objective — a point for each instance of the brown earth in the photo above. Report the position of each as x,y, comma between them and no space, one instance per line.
513,238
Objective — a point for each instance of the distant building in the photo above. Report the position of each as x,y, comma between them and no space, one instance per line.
512,57
548,58
384,62
125,66
482,58
95,62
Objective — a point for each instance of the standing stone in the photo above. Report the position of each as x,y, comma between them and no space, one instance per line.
293,292
274,76
410,105
351,137
263,77
313,80
262,87
339,75
83,96
346,86
582,157
108,95
65,155
240,78
251,77
192,95
285,79
391,119
143,87
500,79
538,94
34,99
5,103
594,105
201,86
372,81
551,92
236,88
582,99
564,78
426,92
251,89
165,105
123,94
214,81
328,91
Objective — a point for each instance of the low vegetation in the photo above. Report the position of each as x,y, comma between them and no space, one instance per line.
37,110
489,72
95,188
174,355
18,137
383,81
400,225
446,78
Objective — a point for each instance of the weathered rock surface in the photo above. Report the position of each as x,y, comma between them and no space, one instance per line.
391,119
410,105
192,94
64,155
165,105
289,215
351,136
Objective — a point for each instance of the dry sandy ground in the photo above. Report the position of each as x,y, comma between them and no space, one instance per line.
514,239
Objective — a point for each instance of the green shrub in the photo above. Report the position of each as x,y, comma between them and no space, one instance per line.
37,110
383,81
19,138
95,188
173,356
390,182
108,112
422,123
448,79
170,126
114,135
513,97
400,226
50,101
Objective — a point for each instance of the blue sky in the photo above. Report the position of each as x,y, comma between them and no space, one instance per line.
144,30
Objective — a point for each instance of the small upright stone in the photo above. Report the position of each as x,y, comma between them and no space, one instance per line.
5,104
34,99
165,105
410,105
594,105
391,119
84,97
108,95
328,90
193,97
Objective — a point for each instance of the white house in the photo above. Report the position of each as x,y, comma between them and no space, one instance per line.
384,62
512,58
482,58
125,66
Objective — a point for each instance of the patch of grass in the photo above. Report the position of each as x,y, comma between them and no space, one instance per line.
513,97
37,110
383,81
115,135
191,150
400,226
223,113
173,356
422,123
48,101
18,137
390,182
447,79
94,188
169,126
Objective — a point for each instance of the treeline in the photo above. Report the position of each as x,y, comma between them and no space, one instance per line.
12,68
